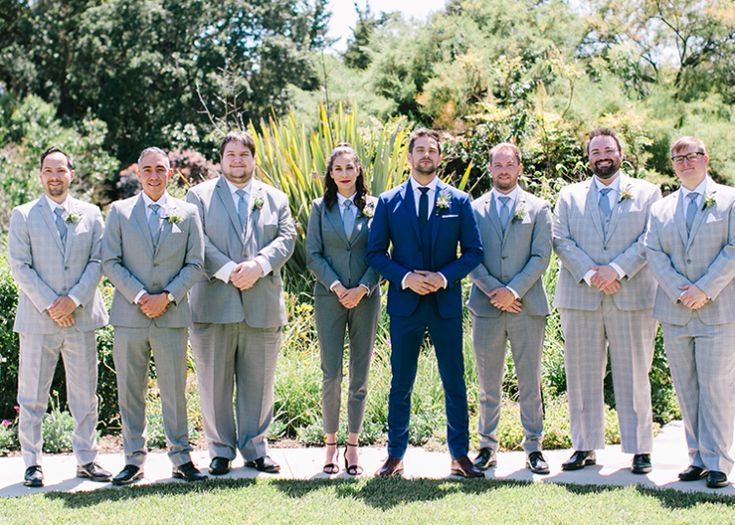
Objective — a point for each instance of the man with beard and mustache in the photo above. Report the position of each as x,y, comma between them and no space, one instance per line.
605,298
238,311
508,303
425,221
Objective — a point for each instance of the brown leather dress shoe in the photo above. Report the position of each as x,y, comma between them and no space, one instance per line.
392,467
462,466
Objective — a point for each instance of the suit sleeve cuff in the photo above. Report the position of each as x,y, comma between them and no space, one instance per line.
223,274
618,270
588,277
515,294
138,296
446,283
264,264
332,286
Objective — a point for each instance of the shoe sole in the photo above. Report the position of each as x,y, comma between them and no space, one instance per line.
93,478
177,475
267,471
491,465
694,478
127,481
456,472
218,472
718,485
398,472
538,471
641,470
33,484
586,463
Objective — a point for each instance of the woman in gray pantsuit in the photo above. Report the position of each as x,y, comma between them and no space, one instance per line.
346,296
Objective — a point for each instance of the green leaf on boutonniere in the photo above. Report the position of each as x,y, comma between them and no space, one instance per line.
257,203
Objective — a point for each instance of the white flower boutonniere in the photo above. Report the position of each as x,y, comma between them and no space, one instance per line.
257,203
709,201
173,218
625,195
443,201
368,210
520,213
72,218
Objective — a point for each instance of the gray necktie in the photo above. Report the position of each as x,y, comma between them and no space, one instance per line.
604,203
154,223
691,209
504,212
348,218
242,208
60,224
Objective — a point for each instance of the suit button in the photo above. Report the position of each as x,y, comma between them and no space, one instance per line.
504,257
604,248
155,265
689,260
348,249
66,267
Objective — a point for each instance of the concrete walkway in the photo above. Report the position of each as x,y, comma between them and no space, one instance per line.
613,468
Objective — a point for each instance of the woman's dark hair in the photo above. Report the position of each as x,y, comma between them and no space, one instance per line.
330,187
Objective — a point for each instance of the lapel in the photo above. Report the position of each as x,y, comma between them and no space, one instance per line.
223,192
50,224
702,211
407,209
518,204
360,221
71,229
138,215
254,212
592,208
335,219
166,226
434,216
620,207
494,217
680,221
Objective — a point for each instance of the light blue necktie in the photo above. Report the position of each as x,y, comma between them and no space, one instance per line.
242,208
604,203
504,212
691,209
60,224
154,223
348,218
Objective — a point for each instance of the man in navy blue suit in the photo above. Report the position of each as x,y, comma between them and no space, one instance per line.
424,220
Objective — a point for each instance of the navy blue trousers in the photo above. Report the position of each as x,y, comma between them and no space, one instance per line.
407,335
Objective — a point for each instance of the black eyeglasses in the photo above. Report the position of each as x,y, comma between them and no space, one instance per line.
691,157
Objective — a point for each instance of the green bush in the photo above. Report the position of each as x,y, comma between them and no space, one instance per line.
57,428
8,437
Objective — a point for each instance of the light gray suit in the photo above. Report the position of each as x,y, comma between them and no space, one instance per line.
45,268
517,258
699,342
331,257
590,319
134,264
237,334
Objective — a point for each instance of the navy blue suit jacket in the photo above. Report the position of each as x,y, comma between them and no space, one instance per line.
395,223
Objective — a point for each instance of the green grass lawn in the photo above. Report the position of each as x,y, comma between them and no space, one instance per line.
371,501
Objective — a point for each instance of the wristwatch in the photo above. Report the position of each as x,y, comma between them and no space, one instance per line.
170,296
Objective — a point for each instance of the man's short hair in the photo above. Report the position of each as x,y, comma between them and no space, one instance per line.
238,136
54,149
682,143
506,146
602,132
153,149
424,132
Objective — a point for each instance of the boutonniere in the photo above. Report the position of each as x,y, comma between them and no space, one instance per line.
72,218
520,213
625,195
709,201
257,203
443,201
173,218
368,210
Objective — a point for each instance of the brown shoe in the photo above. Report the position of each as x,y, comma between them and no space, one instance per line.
392,467
462,466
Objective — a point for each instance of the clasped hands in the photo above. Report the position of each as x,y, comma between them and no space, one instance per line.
153,305
692,297
503,299
423,282
605,279
349,297
61,311
245,274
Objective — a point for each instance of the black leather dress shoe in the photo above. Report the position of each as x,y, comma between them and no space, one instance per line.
392,467
641,464
693,473
580,459
188,472
485,459
462,466
219,466
94,472
33,476
536,463
264,464
128,475
716,479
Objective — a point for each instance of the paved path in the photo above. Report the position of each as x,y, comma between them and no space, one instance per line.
613,468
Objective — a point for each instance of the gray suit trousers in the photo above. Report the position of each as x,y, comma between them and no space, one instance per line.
703,369
629,335
131,351
39,354
489,337
332,321
236,354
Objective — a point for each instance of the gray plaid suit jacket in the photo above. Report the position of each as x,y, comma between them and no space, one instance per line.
580,243
132,263
517,258
704,258
45,269
270,232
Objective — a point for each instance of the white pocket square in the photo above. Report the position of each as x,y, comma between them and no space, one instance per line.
175,228
449,216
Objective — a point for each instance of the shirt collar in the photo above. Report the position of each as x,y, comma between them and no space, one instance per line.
234,189
614,185
53,204
341,199
701,188
161,202
432,185
513,195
